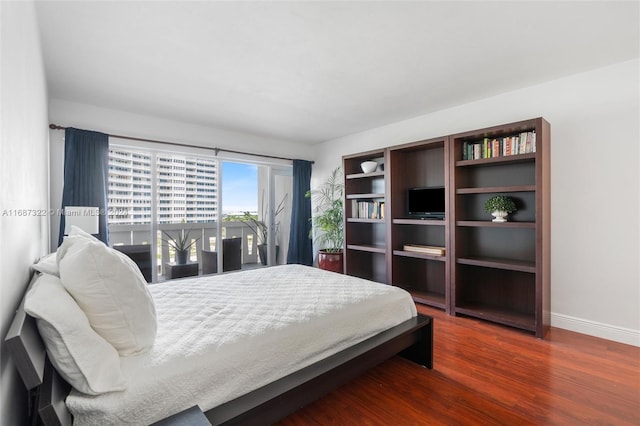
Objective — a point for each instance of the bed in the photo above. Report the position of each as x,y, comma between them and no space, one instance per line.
245,347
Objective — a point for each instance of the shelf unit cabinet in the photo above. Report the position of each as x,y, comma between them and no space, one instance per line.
500,271
365,227
426,276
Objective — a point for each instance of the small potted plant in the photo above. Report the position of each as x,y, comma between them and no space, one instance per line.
181,244
500,206
328,221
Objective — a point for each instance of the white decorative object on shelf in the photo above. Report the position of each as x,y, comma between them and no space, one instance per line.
500,216
500,206
368,166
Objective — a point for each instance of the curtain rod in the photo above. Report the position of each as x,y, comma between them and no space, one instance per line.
215,150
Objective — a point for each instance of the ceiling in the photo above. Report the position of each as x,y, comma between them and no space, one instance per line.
310,71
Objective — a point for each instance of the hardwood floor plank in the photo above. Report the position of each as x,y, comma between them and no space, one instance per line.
488,374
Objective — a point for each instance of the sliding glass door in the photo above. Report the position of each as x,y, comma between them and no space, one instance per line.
280,183
198,214
256,202
239,189
185,222
167,201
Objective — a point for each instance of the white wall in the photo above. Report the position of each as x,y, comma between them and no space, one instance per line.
24,162
89,117
595,195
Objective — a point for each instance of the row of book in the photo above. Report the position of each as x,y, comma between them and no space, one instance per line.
524,143
367,209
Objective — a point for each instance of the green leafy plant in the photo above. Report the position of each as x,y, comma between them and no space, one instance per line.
258,226
180,243
329,215
500,203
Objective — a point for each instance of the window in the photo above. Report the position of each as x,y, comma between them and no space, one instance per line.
178,177
129,193
153,194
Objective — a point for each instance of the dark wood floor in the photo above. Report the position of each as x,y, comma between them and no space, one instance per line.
487,374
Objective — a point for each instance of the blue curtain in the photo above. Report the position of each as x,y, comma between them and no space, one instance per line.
86,173
300,245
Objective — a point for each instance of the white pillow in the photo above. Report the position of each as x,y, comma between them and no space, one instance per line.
78,235
47,265
87,361
110,289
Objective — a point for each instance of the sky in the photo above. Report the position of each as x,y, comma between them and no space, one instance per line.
239,187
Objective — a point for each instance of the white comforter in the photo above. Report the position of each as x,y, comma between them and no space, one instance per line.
222,336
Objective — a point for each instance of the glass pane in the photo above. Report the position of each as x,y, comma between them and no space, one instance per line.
181,213
129,206
186,189
186,210
282,215
241,217
129,188
183,217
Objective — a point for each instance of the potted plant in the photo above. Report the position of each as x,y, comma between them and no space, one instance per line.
328,221
181,244
499,206
260,229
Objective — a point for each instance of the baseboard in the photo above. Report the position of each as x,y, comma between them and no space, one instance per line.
597,329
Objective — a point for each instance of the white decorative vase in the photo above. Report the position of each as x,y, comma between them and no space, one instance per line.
500,216
368,166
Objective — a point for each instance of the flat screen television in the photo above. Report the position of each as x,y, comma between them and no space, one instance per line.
427,203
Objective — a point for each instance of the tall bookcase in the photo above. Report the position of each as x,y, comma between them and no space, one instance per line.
419,165
498,272
365,227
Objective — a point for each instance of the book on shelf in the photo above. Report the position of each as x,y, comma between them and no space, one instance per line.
367,209
522,143
433,250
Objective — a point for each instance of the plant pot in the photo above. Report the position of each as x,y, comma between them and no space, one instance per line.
262,253
330,261
500,216
182,256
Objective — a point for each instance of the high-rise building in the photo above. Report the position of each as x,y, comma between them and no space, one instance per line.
185,187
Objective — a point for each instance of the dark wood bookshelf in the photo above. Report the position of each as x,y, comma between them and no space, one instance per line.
497,272
366,239
500,271
419,164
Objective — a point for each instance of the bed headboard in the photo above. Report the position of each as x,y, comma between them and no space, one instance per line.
47,390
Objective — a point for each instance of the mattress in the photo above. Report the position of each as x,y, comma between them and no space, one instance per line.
222,336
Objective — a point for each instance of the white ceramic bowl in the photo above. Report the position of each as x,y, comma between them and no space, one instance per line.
368,166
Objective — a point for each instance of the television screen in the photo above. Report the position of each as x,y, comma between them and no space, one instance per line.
426,202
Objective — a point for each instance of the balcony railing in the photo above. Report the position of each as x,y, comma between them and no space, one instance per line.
205,233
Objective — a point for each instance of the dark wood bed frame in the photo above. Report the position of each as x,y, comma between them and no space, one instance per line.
412,339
